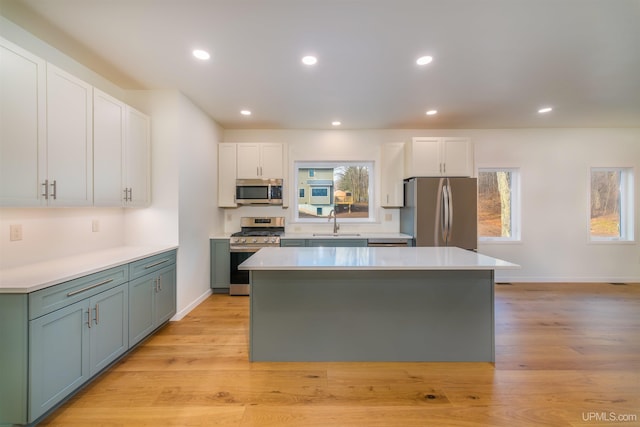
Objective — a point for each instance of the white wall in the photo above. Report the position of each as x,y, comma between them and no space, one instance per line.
554,164
184,187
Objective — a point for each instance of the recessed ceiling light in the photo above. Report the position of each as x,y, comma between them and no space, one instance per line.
245,112
309,60
201,54
545,110
336,123
424,60
432,112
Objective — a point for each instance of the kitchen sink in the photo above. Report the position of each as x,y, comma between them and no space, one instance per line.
336,234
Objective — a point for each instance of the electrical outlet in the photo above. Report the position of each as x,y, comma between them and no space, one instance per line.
95,225
387,217
15,232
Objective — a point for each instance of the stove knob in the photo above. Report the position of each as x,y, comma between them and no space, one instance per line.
255,240
243,240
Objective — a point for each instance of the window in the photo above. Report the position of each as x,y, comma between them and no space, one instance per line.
611,204
499,204
343,187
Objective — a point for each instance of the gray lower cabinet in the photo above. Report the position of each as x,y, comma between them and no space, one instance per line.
70,345
323,242
152,301
56,339
220,265
337,242
298,243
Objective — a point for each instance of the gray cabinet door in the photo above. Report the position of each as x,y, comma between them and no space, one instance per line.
165,295
58,356
220,263
109,327
141,307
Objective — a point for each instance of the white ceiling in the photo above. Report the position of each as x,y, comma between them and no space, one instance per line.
496,62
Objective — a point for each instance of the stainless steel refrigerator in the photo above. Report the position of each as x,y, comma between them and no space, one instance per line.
441,212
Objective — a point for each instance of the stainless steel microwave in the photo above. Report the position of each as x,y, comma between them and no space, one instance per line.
259,191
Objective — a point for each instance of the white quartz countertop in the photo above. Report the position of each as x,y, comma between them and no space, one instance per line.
372,258
32,277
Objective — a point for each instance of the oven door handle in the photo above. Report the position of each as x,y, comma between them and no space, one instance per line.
243,249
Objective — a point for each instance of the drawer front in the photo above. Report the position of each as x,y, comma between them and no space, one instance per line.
151,264
55,297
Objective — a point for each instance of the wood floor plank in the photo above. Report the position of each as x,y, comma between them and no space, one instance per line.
565,355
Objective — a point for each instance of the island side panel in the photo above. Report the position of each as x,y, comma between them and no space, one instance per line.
311,315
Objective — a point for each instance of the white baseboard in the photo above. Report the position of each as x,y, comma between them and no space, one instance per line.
516,279
180,315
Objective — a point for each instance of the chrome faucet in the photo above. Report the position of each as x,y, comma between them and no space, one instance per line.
336,227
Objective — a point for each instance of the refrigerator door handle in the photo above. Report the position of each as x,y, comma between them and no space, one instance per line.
445,214
450,221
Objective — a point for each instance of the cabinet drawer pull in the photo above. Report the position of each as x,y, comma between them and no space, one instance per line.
89,318
154,264
95,285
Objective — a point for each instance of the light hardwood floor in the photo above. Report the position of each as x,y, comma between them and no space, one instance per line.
566,355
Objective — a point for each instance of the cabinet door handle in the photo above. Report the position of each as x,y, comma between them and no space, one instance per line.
45,184
95,285
155,281
131,194
125,194
155,263
55,189
97,309
159,283
89,318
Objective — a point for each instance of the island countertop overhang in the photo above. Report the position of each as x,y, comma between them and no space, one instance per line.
372,258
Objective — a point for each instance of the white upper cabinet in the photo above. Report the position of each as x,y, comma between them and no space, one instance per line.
391,175
69,179
260,161
108,141
439,157
227,175
22,126
137,164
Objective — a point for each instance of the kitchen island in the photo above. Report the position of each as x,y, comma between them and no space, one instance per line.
372,304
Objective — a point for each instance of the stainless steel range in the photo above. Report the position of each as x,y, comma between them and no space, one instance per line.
256,233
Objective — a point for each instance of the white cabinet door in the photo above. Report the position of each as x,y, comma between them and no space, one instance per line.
391,175
137,158
248,161
227,175
271,161
439,157
108,140
457,157
22,126
423,157
69,139
260,161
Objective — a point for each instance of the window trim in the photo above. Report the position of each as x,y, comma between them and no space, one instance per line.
627,206
516,206
310,164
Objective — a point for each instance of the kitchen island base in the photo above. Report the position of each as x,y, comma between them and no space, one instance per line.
372,315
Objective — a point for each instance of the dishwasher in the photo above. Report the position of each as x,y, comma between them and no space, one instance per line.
388,242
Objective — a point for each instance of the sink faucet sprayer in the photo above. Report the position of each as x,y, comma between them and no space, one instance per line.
336,227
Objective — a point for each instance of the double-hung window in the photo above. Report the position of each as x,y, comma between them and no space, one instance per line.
499,204
611,215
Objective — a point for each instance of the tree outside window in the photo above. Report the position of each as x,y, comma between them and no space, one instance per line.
611,204
498,204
